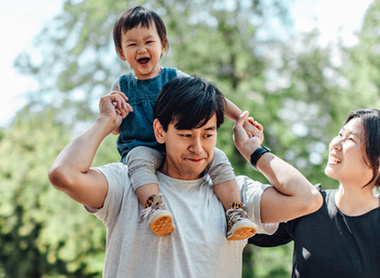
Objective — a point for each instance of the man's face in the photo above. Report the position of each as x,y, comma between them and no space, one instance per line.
188,152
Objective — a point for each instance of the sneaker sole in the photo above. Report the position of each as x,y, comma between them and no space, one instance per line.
161,224
242,230
242,233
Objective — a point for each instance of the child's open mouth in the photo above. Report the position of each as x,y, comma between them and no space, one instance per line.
143,60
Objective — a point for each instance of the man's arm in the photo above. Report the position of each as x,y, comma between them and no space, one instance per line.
71,172
292,194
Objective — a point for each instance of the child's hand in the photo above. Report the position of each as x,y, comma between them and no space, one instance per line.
119,108
122,108
254,130
121,105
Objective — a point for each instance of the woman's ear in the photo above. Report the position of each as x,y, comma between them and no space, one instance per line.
159,131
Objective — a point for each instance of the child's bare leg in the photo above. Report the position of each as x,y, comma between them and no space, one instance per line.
142,164
239,227
227,192
145,191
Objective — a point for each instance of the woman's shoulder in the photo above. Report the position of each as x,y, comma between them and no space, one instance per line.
326,193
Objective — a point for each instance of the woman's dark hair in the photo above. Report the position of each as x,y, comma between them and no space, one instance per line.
371,138
189,102
134,17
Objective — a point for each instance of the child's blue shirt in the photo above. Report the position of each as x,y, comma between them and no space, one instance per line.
137,128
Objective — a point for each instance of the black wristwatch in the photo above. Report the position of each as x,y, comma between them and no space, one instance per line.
255,156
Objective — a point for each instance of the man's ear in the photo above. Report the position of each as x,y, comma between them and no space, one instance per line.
121,54
159,131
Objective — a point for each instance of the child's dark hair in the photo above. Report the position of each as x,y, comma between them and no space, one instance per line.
371,138
189,102
134,17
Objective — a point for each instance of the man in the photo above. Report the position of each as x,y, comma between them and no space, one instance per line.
188,112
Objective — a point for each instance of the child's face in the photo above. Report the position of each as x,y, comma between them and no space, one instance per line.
142,49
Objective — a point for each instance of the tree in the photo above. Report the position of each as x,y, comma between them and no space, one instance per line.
363,82
36,221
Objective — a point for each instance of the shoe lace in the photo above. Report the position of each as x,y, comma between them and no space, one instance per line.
156,204
234,215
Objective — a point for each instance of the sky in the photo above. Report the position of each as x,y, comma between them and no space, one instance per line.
22,20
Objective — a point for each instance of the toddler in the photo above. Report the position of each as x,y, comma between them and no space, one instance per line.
140,39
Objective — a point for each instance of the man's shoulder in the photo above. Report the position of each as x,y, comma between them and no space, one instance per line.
243,179
112,165
113,168
251,189
246,182
251,192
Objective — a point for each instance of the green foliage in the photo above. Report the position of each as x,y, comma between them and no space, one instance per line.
273,262
42,231
363,73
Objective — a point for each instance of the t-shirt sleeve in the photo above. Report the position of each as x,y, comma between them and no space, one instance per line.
116,86
283,235
220,168
118,181
181,74
251,192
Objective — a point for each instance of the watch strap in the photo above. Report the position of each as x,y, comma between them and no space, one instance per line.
255,156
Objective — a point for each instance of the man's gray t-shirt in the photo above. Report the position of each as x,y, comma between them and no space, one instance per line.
196,248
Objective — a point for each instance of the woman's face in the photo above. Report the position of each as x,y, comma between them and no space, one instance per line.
347,158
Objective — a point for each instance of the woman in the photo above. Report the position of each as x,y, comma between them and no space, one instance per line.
341,239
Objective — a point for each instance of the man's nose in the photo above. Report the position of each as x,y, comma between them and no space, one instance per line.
196,146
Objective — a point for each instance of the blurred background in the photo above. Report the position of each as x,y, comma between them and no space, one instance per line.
298,66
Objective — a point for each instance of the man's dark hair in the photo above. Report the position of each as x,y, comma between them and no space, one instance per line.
189,102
